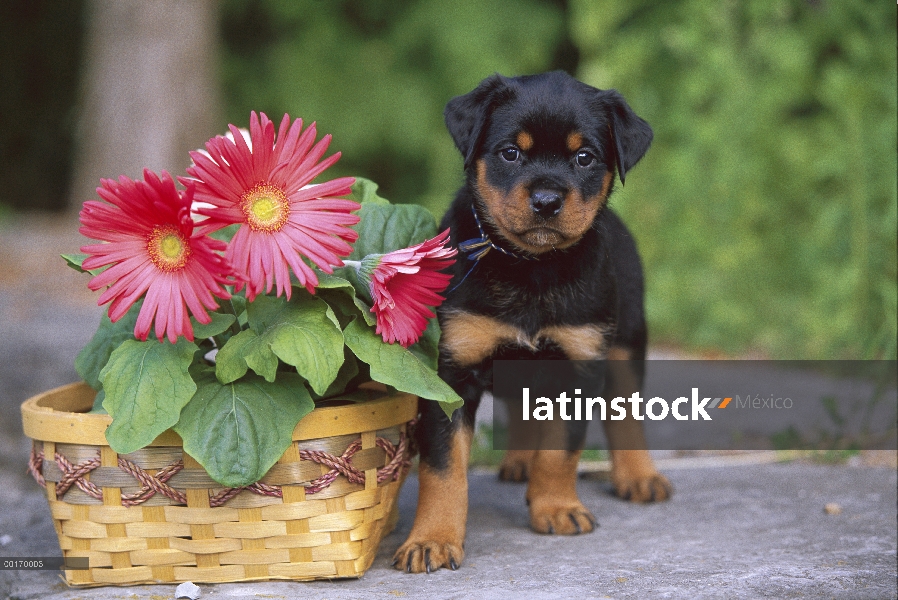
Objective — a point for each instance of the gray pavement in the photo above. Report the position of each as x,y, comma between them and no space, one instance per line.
734,529
729,532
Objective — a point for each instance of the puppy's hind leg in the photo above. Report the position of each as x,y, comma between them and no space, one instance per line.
633,473
516,465
518,458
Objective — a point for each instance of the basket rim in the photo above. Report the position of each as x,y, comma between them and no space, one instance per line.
40,421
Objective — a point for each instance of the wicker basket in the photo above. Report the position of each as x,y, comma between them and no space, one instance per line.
155,516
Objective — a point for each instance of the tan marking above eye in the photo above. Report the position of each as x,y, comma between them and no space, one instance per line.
574,141
524,141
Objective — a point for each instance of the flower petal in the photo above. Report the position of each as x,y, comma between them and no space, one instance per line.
312,223
136,215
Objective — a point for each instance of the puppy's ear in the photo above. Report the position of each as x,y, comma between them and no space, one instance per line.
631,136
467,116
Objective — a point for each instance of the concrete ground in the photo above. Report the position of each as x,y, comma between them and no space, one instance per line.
737,527
748,531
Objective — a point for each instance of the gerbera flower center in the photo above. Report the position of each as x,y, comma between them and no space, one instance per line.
266,207
168,248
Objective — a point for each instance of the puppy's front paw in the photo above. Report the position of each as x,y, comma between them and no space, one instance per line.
560,518
647,488
428,556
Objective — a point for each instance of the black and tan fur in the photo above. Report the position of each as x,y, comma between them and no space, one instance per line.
541,153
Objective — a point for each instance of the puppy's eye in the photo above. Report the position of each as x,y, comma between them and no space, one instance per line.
510,154
584,158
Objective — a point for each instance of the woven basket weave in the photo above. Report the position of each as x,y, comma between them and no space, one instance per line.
155,515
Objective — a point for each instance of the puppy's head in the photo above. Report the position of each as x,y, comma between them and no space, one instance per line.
541,152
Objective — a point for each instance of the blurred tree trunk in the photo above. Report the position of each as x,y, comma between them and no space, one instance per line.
150,89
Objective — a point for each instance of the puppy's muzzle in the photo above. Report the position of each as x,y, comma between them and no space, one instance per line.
546,203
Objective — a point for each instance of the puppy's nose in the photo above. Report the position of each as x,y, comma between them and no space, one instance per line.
546,203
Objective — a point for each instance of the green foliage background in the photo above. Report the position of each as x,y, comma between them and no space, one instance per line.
766,208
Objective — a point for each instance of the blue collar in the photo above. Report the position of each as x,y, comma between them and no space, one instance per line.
477,248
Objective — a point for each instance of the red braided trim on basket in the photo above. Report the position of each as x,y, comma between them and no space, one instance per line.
398,461
74,474
36,465
152,484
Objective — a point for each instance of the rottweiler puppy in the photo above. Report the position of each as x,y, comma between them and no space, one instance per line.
553,273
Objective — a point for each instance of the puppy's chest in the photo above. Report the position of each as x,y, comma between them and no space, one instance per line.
507,314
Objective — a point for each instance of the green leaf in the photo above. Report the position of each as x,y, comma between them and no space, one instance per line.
146,385
76,260
348,304
361,292
364,191
427,347
109,336
303,332
238,431
394,365
238,301
348,371
242,351
97,408
385,227
345,280
326,281
220,323
262,360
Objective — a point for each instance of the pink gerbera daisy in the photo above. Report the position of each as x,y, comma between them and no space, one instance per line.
263,185
404,284
151,247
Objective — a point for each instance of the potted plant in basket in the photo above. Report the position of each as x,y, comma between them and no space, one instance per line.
240,302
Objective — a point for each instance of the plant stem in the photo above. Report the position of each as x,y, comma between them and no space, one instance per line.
227,307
